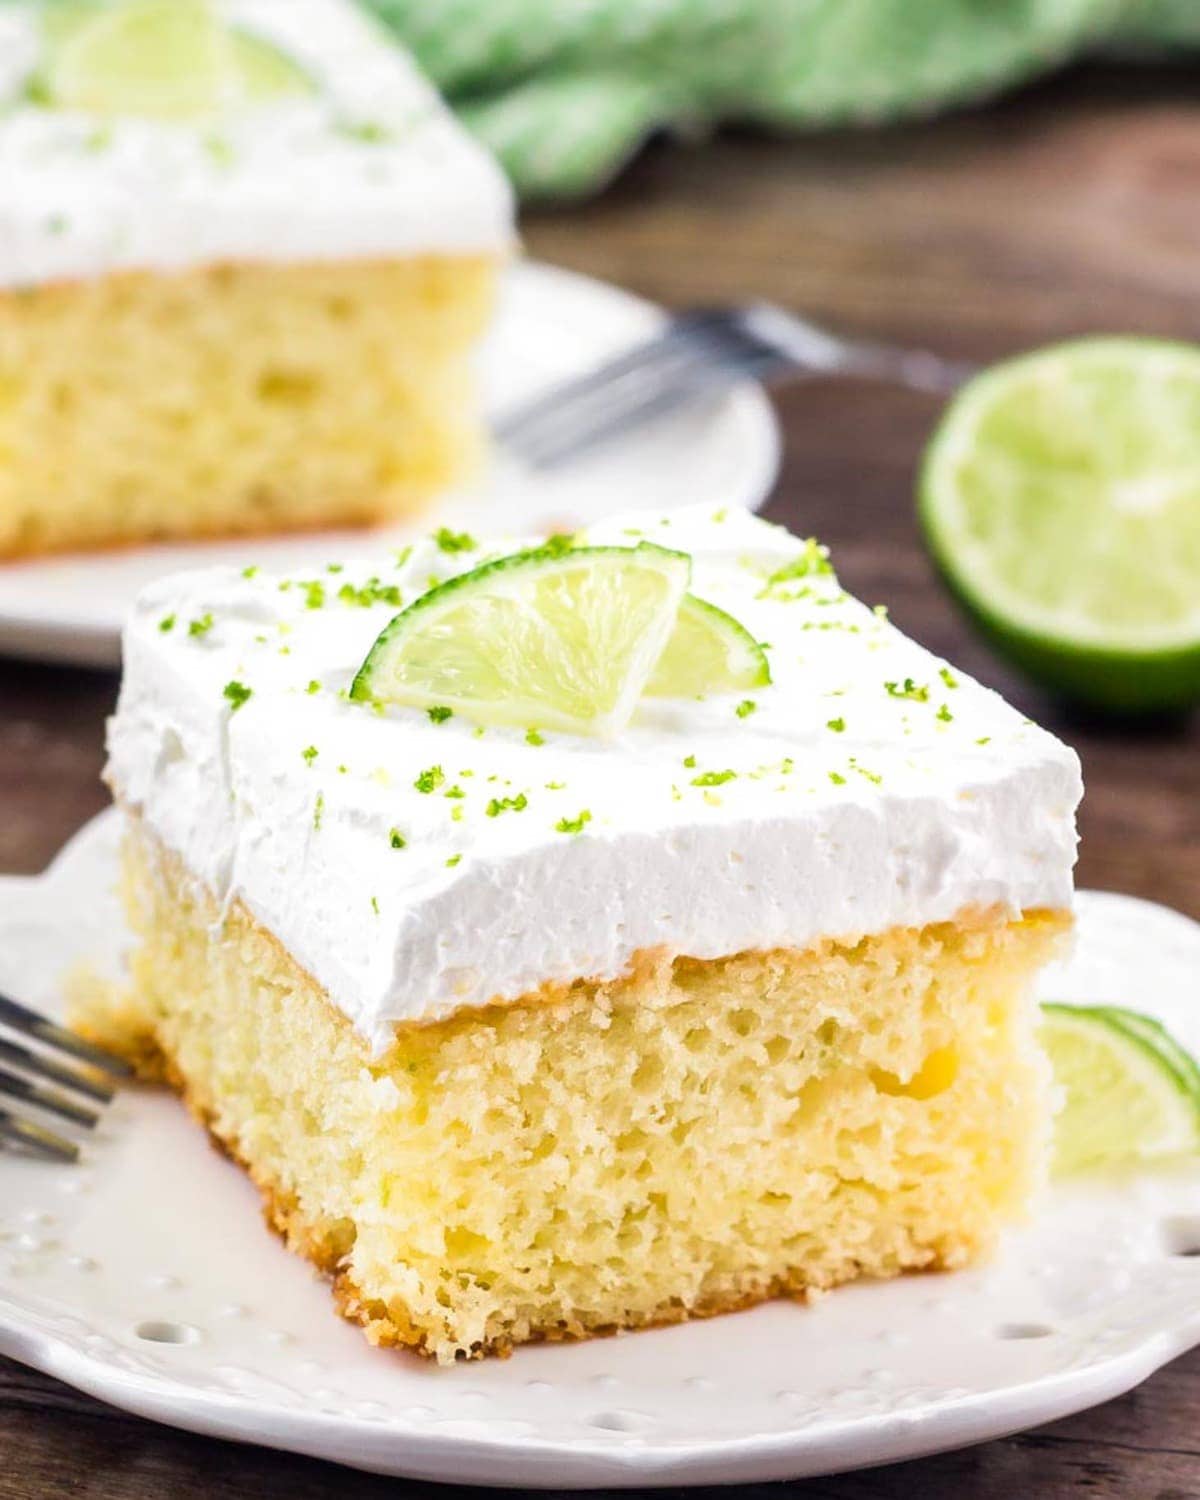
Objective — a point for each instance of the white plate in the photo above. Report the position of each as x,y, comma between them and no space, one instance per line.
156,1236
551,324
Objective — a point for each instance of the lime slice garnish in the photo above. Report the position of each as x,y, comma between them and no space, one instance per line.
62,20
708,652
1126,1096
161,59
166,59
557,639
1061,498
261,72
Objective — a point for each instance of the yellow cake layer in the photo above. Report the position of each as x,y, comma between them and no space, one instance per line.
235,399
694,1137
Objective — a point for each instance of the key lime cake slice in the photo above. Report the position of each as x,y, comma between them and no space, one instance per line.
245,255
593,934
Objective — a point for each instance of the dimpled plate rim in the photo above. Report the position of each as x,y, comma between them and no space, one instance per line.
215,1329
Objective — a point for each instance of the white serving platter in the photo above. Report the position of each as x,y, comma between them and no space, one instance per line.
144,1276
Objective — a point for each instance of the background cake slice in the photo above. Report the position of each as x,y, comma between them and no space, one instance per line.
245,255
525,1035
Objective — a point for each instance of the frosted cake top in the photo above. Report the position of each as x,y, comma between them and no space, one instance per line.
327,144
414,862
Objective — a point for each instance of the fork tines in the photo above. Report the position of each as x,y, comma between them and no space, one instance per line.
697,353
26,1072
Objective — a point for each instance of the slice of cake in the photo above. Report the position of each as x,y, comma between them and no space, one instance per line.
528,1034
245,255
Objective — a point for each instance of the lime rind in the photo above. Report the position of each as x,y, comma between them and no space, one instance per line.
1156,1036
1060,497
1128,1097
708,652
561,639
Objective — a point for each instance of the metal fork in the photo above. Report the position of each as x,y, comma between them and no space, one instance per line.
697,353
94,1081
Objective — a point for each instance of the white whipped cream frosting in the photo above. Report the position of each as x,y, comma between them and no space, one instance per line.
851,809
371,165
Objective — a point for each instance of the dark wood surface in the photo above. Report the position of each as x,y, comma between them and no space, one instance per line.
1070,209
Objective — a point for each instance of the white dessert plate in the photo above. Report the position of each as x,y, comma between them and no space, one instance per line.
552,324
144,1276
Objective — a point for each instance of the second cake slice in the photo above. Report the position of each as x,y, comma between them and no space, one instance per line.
245,258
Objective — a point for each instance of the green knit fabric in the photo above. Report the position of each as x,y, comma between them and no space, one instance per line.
565,91
1160,23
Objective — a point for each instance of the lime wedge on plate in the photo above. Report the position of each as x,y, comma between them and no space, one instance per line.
1131,1092
1159,1039
708,652
165,59
557,639
159,59
1061,499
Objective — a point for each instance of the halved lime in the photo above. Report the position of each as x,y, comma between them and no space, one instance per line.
557,639
166,59
708,652
1126,1096
162,59
1061,499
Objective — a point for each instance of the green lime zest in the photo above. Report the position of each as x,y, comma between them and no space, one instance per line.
500,805
236,694
574,825
429,780
713,778
912,691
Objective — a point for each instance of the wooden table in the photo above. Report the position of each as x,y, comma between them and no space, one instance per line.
1070,209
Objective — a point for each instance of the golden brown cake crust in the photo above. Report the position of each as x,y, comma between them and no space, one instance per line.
388,1328
329,1241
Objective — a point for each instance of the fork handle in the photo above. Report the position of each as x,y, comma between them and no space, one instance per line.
915,369
806,349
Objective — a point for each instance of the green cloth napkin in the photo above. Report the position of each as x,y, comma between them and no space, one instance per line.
565,91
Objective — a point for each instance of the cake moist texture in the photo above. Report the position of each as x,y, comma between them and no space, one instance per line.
759,1023
255,322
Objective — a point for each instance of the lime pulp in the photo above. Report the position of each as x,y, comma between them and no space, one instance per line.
1130,1091
555,639
708,652
159,59
1061,499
